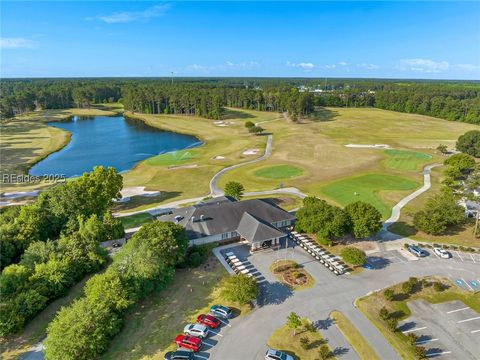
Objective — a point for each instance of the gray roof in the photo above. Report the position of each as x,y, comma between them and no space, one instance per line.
256,230
223,215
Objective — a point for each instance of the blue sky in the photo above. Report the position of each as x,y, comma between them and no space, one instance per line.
439,40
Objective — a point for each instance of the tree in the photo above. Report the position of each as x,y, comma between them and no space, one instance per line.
389,295
240,288
354,256
442,148
366,219
324,352
463,162
294,322
469,143
440,213
13,278
109,287
234,189
249,124
420,353
81,331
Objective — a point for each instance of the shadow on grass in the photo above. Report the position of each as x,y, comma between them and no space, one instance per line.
236,114
322,115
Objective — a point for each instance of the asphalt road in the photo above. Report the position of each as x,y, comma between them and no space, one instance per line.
247,337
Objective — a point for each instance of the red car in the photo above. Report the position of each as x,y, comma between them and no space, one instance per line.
208,320
188,342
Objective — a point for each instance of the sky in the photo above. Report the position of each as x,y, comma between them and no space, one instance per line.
427,40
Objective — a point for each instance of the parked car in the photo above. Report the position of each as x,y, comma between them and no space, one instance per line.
221,311
418,252
197,330
277,355
179,355
208,320
444,254
188,342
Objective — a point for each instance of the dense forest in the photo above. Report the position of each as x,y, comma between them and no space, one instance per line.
451,100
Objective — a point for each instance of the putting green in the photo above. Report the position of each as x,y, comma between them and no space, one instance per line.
405,160
172,158
279,172
365,188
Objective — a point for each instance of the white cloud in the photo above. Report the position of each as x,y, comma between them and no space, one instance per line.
307,66
466,67
226,67
342,63
368,66
423,65
130,16
16,43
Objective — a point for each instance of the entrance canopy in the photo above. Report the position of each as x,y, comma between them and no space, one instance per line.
257,231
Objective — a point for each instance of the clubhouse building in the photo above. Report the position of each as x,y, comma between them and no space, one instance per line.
258,222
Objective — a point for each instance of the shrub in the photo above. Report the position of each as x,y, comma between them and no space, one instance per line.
304,343
324,352
324,241
412,339
392,324
437,286
354,256
389,294
383,313
249,124
420,352
310,327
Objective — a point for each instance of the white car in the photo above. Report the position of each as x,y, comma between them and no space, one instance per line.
277,355
197,330
444,254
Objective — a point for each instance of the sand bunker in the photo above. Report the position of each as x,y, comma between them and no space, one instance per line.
219,157
251,152
128,192
223,123
369,146
183,167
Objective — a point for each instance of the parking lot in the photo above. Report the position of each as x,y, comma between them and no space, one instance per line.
449,330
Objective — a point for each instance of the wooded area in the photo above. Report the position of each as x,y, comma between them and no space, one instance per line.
451,100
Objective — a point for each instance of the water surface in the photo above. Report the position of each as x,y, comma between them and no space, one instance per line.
109,141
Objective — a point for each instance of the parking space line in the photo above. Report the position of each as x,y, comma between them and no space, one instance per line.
425,341
216,333
224,323
473,259
439,353
471,319
474,331
453,311
200,357
459,255
416,329
468,284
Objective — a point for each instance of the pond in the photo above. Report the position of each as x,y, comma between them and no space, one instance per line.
109,141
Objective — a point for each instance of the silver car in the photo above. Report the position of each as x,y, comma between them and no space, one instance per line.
198,330
277,355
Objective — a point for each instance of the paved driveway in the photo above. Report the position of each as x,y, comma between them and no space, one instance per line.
248,337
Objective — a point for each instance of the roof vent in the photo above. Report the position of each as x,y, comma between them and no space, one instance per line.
202,217
193,218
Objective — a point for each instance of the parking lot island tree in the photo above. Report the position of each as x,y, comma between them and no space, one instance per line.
294,322
354,256
240,288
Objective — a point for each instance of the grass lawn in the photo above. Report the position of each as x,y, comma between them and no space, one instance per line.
279,172
13,347
136,220
405,160
173,158
354,337
152,325
282,339
366,188
370,306
279,269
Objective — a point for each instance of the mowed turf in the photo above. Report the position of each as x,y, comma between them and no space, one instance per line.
279,172
173,158
366,188
405,160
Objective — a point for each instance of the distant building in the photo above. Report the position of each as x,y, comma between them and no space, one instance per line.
256,221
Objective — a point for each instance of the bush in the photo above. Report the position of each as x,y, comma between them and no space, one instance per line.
420,352
255,129
324,352
354,256
240,288
304,343
437,286
249,124
389,294
412,339
324,241
383,313
392,324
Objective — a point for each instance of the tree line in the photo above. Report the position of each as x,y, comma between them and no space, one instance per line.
51,244
457,101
